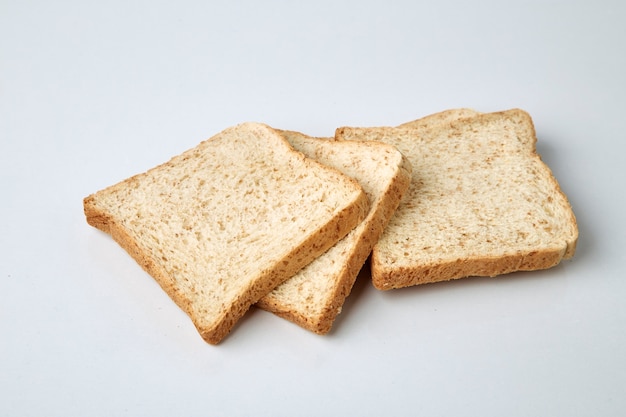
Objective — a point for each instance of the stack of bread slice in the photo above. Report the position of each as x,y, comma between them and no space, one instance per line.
256,215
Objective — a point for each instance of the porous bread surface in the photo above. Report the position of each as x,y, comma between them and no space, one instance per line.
222,224
442,117
481,203
315,295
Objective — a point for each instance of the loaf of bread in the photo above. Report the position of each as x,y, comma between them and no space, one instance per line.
224,223
315,295
481,201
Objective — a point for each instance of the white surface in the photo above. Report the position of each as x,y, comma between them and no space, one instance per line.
92,92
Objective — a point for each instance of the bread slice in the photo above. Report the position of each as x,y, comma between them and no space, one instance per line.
481,203
315,295
222,224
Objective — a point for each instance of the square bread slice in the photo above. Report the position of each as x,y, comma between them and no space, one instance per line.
315,295
222,224
481,202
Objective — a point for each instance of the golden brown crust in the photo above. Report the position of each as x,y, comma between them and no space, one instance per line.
385,278
310,249
392,198
102,221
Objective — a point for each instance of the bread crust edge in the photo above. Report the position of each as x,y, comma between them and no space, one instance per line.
323,323
317,243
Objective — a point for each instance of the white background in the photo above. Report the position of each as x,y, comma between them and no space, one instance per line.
92,92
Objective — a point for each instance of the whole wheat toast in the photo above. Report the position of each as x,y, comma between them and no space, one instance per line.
222,224
481,202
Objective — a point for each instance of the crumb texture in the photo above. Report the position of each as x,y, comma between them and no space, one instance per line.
221,224
314,296
481,202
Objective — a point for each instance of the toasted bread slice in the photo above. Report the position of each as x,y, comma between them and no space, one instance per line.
222,224
315,295
481,203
